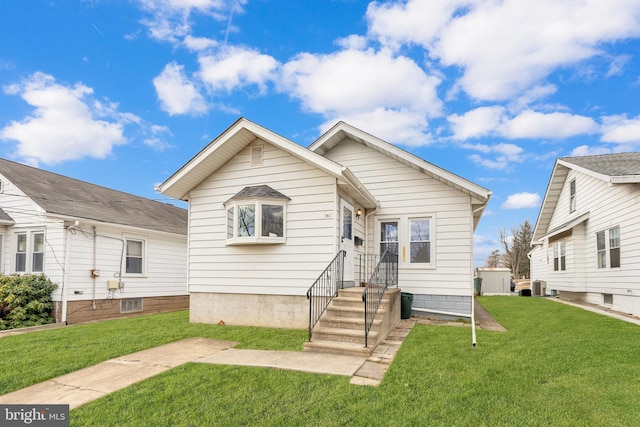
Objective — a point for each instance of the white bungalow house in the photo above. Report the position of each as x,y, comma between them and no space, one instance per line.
111,254
267,216
586,242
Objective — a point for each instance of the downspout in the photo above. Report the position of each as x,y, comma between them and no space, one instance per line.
473,293
95,250
65,277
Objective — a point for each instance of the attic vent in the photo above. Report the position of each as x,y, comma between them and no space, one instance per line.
256,155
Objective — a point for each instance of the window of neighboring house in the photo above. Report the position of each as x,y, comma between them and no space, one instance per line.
389,237
572,196
559,256
134,256
21,253
608,248
130,305
37,259
420,241
29,250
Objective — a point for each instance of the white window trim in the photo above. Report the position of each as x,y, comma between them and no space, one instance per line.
607,248
28,264
145,255
562,244
572,196
257,238
404,239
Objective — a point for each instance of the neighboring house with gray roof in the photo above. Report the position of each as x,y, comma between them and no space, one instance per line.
111,253
586,243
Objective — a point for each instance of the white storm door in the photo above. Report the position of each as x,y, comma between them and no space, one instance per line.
346,238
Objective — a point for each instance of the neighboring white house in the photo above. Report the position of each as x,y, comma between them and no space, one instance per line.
268,215
586,243
110,253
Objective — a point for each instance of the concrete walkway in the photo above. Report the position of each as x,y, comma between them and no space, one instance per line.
88,384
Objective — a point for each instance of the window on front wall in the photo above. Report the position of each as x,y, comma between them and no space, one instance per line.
420,241
608,248
559,256
134,256
389,237
258,222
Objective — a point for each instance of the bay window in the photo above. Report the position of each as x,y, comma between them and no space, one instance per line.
256,215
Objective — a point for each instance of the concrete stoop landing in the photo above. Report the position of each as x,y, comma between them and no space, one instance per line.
340,330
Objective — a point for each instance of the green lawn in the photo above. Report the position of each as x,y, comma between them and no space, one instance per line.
556,366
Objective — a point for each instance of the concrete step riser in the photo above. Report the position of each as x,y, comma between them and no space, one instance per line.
346,323
339,337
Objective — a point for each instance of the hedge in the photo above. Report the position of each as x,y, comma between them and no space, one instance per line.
25,300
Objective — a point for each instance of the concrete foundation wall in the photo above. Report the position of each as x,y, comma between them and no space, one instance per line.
84,311
449,303
276,311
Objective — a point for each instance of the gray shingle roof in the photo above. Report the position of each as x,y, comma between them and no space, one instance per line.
618,164
65,196
259,191
5,218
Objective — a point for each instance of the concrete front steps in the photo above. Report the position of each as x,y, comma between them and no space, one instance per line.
340,330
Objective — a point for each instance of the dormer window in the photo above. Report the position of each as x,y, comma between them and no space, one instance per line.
256,215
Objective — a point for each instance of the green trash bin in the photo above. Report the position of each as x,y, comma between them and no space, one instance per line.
477,284
405,306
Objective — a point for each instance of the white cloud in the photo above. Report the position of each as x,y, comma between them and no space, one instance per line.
505,155
493,121
522,201
532,124
176,93
620,129
505,48
169,20
199,43
398,127
585,150
67,122
354,81
235,67
475,123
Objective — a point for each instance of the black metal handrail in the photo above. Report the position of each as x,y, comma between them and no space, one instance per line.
384,275
325,288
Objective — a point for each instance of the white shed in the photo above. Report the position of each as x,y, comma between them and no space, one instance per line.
495,281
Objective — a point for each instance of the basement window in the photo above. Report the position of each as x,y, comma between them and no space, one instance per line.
130,305
607,298
256,215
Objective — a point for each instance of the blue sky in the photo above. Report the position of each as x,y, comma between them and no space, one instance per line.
122,93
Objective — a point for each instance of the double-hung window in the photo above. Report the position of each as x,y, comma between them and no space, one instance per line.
134,263
29,252
389,237
608,248
420,241
256,215
559,256
572,196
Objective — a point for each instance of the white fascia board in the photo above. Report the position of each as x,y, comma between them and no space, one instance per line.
392,151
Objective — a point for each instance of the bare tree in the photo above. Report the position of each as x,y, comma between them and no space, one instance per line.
516,246
494,259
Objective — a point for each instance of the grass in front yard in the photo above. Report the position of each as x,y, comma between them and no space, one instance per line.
38,356
557,365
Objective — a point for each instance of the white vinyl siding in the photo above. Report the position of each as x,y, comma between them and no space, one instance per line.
405,193
608,207
284,269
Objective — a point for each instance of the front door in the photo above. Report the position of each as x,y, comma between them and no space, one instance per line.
346,238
